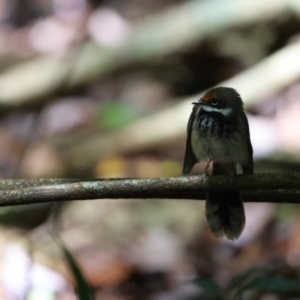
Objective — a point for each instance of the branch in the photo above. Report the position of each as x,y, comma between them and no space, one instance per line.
260,188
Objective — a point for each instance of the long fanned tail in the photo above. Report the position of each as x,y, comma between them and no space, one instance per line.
225,210
225,214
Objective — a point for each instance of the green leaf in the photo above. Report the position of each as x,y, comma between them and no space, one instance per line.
83,290
210,288
274,284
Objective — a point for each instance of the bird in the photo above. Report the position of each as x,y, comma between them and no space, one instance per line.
218,134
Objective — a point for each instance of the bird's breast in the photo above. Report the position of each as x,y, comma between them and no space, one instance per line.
218,138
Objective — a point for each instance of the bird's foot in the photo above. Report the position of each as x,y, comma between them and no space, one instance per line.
204,178
207,167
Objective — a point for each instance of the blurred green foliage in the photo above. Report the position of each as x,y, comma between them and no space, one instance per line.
211,289
83,291
116,115
254,284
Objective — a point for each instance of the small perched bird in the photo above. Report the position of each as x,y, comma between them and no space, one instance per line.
218,132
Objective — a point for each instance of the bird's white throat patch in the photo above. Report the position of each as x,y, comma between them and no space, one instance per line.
224,111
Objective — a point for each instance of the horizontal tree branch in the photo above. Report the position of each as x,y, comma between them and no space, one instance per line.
271,187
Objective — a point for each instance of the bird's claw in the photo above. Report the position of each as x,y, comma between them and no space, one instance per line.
204,178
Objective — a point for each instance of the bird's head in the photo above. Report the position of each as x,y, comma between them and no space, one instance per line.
222,100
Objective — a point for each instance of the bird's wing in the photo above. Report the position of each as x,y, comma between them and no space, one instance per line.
248,168
189,158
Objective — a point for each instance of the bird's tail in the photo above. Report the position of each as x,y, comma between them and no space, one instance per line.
225,210
225,214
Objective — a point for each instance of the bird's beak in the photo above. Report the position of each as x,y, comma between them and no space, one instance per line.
198,102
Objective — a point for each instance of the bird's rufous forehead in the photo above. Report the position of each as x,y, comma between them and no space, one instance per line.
208,96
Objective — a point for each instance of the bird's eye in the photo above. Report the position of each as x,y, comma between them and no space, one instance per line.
214,101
